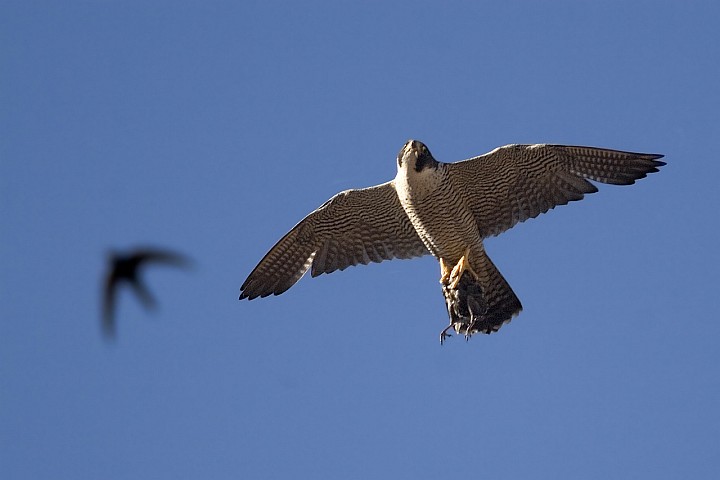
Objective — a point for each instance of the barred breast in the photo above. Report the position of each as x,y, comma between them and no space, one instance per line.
442,219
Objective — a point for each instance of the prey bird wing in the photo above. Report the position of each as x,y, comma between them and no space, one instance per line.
353,227
517,182
144,256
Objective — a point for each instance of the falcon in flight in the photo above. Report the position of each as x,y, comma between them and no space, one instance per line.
125,268
446,210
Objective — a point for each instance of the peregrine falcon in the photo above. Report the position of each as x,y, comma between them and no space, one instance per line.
124,268
445,209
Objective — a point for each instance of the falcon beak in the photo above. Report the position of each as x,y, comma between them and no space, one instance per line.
411,149
405,152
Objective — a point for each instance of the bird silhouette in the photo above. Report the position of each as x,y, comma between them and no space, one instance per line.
125,268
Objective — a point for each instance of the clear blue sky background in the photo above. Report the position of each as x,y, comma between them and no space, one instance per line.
213,127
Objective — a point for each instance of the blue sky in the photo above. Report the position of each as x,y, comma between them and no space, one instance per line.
213,127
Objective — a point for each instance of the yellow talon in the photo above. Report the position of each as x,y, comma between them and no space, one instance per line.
445,272
451,276
458,270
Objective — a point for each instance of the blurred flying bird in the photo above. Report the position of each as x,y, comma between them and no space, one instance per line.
125,268
445,209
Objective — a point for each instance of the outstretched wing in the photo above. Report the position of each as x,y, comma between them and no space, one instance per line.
147,255
517,182
355,226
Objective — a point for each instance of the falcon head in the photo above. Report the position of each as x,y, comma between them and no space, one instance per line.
416,156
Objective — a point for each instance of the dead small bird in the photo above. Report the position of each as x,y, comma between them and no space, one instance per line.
125,268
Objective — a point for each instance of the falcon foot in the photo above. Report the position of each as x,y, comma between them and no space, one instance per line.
444,334
450,276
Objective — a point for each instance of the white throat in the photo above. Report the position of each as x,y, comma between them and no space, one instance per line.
412,185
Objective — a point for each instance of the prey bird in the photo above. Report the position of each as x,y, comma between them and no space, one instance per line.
124,268
446,210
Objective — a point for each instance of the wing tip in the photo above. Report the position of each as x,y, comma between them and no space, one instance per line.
251,292
253,295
